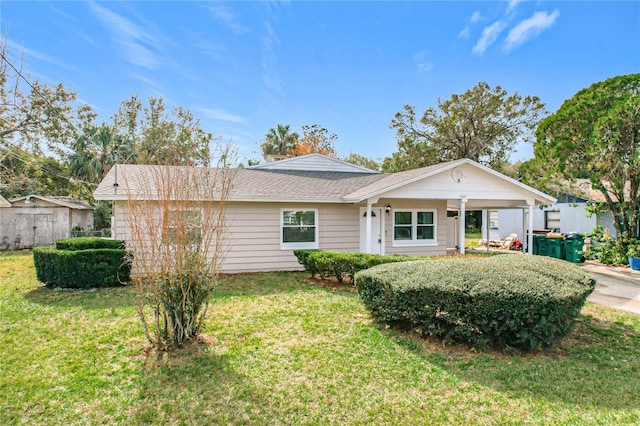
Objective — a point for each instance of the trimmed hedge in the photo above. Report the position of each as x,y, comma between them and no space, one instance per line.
523,302
81,268
86,243
340,264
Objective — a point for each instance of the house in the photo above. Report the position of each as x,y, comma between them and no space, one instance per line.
34,220
568,214
319,202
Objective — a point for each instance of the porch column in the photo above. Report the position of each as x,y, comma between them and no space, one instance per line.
461,223
368,221
530,235
486,224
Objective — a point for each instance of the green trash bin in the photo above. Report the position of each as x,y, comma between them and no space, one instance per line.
543,245
556,247
537,242
573,248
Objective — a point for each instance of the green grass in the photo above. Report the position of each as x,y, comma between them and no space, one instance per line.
280,350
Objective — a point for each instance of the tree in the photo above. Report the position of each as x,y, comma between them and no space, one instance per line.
279,141
596,134
23,173
315,139
33,114
157,137
483,124
361,160
411,154
176,218
95,152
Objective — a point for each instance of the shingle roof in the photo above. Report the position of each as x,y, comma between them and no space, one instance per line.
248,184
70,202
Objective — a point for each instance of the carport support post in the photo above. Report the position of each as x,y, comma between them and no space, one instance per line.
368,221
461,223
530,234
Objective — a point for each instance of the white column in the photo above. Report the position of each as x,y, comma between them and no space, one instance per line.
486,224
530,235
368,221
461,223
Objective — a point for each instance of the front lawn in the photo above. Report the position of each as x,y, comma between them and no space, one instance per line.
280,350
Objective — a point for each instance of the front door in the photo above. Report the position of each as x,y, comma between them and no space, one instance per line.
377,243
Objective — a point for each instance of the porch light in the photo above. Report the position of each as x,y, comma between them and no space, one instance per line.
388,209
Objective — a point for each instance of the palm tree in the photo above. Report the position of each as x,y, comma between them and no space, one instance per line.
96,151
279,141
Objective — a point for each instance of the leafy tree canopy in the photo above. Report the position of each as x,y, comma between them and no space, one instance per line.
315,139
596,135
34,116
361,160
160,137
483,124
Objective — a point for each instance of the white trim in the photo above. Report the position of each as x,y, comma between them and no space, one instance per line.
539,195
414,242
303,245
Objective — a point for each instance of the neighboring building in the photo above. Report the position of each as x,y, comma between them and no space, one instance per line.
569,214
33,220
314,201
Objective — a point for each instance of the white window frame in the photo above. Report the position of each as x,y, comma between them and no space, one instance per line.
557,219
414,241
184,224
303,245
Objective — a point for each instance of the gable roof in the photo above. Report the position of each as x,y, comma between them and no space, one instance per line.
316,162
397,180
69,202
284,184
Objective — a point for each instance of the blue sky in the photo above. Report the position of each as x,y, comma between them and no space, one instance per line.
243,67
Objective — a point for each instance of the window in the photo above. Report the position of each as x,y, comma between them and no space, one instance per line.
552,219
414,227
183,227
299,229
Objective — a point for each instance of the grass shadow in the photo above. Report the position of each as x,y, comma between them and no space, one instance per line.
95,298
597,365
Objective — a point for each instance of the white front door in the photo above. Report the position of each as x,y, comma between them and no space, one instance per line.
377,233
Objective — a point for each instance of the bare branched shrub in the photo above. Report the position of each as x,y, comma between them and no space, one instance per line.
176,218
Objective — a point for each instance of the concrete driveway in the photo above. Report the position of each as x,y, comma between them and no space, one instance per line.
615,287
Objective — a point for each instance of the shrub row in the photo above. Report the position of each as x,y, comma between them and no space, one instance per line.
340,264
523,302
81,268
86,243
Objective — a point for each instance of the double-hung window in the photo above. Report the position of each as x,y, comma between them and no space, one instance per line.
414,228
299,229
182,228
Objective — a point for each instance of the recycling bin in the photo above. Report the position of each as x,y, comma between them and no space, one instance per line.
573,245
556,247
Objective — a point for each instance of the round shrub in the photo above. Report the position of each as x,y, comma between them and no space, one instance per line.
507,301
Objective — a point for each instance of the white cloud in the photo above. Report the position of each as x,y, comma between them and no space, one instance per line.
226,17
136,42
512,5
489,36
530,28
420,59
466,32
221,115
